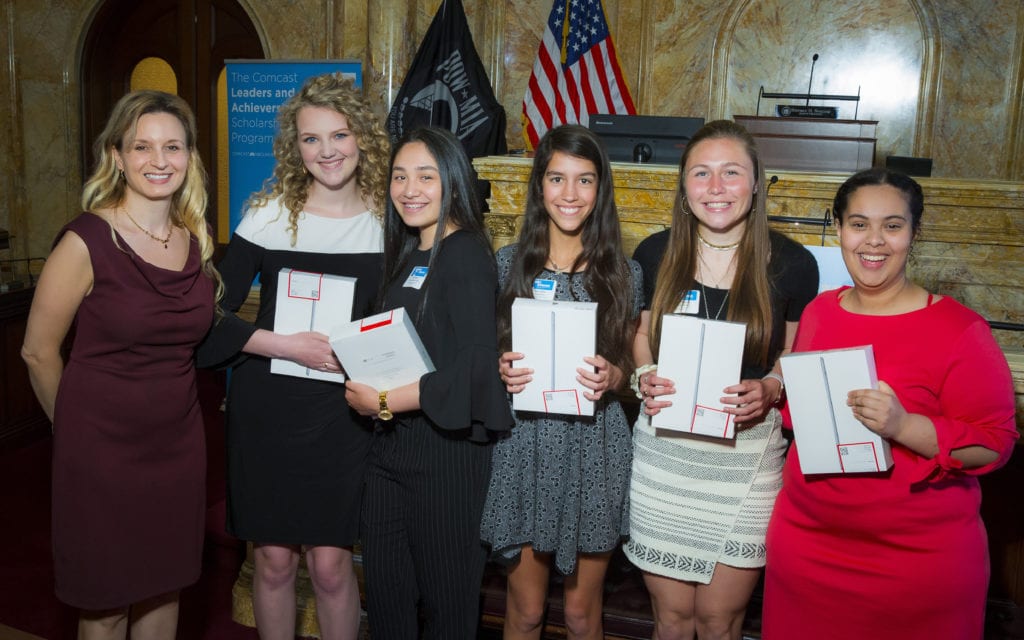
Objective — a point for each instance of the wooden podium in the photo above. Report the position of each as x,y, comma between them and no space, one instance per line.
813,144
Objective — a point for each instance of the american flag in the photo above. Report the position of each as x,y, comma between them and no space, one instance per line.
576,73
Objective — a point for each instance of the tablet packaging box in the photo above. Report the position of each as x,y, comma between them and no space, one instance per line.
702,357
383,351
554,336
830,438
308,301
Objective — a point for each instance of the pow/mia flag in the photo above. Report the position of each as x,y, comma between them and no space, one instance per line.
447,87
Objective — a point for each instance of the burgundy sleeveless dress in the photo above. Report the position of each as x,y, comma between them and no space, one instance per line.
129,456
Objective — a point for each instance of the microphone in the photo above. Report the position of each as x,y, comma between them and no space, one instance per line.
772,180
814,60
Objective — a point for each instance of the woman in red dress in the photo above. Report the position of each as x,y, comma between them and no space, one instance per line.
903,553
134,273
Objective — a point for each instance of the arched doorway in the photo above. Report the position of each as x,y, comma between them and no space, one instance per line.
193,38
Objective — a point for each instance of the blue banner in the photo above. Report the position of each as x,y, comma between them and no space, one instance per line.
256,90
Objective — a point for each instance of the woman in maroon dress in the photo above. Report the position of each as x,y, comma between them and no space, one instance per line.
133,273
899,554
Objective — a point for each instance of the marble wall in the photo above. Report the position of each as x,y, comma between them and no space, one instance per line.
970,246
943,77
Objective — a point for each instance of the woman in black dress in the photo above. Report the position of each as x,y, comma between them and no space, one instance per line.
431,454
296,453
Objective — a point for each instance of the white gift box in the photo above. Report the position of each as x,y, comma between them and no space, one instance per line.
701,357
382,351
308,301
829,437
554,336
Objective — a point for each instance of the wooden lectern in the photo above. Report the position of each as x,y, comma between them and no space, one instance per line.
804,143
813,144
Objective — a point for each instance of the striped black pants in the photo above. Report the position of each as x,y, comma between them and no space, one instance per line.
422,554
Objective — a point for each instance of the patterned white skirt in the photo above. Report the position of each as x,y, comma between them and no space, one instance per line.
697,501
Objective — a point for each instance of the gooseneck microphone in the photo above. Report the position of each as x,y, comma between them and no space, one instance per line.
814,60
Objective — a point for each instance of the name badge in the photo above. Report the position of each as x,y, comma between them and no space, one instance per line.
544,289
416,278
690,303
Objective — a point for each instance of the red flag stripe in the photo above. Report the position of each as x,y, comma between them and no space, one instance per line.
600,63
592,84
619,88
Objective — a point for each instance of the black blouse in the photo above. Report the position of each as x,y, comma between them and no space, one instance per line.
792,273
464,397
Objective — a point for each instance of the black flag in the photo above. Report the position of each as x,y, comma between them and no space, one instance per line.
447,87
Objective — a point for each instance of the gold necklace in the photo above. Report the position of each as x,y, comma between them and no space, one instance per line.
170,232
717,247
705,269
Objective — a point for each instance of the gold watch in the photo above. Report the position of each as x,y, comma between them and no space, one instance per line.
384,413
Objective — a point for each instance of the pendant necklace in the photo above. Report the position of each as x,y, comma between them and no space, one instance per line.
164,241
703,291
557,269
707,307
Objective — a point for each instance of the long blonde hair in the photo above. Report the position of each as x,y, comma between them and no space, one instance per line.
105,188
750,296
291,181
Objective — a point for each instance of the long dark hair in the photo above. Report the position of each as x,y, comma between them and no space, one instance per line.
750,296
607,276
459,206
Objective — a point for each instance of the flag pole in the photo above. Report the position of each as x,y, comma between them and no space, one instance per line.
565,32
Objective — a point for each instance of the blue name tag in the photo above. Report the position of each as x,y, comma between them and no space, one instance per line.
416,278
690,303
544,289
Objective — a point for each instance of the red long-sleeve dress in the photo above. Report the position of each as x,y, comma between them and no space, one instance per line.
901,554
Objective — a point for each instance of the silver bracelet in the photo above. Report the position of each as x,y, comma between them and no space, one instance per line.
782,383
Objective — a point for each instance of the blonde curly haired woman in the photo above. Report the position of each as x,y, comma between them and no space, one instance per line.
296,453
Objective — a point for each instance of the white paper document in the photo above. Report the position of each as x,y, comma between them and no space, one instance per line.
829,438
308,301
701,357
382,351
554,336
832,272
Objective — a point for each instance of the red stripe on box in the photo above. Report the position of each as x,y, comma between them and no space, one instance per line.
375,325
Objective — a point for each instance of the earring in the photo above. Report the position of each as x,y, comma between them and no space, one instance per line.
122,174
